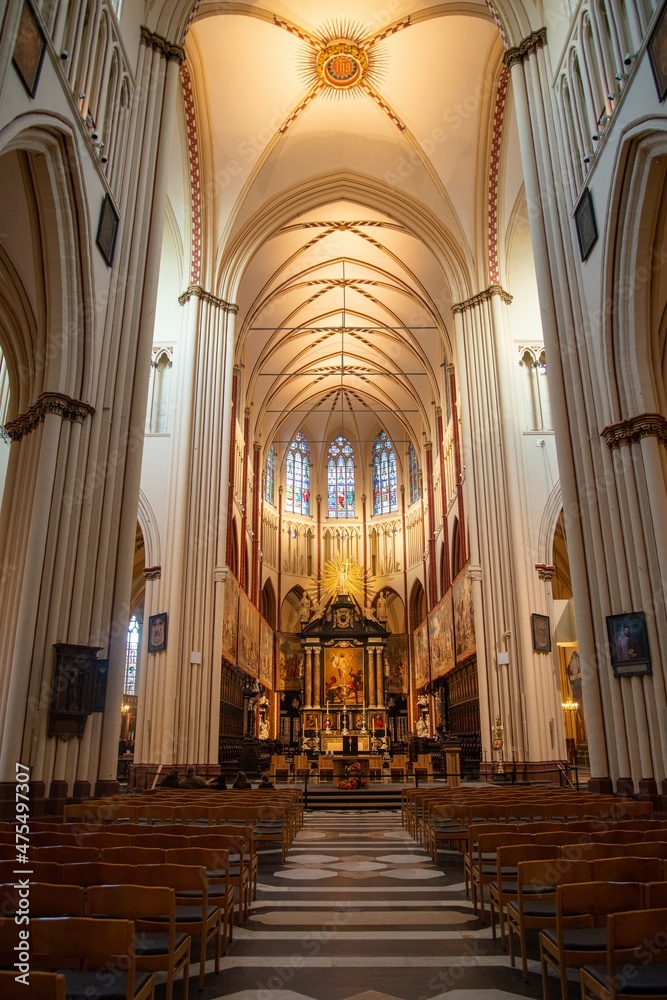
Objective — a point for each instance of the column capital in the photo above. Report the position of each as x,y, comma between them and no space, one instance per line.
635,428
544,572
197,292
152,572
162,45
520,52
63,406
484,296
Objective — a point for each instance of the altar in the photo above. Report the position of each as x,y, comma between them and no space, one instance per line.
339,743
341,764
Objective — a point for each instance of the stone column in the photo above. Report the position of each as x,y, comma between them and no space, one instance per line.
379,677
308,678
371,699
551,267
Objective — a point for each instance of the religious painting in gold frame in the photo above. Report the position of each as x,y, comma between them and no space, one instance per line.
344,675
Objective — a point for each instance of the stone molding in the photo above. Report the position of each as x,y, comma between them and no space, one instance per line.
48,402
152,572
162,45
520,52
545,572
635,428
197,292
484,296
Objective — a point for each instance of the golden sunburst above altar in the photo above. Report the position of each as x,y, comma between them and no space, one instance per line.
344,577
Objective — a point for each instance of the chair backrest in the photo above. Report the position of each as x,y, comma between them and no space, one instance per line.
53,900
70,942
655,894
181,878
104,838
42,986
636,936
560,837
51,838
163,840
212,858
597,899
67,854
627,869
96,873
132,855
587,851
132,902
647,849
42,870
509,856
542,877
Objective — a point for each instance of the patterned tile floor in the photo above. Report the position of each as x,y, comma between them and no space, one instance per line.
360,912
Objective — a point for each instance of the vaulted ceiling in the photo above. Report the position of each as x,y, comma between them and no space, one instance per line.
345,152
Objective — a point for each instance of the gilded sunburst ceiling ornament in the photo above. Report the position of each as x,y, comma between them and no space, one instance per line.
343,59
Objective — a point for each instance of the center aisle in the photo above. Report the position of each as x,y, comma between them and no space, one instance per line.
359,910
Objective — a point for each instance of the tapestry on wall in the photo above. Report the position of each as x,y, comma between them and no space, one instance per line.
397,664
421,655
441,637
464,617
265,654
290,660
230,618
248,653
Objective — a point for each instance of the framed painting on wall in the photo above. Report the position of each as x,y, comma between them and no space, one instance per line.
157,633
344,675
628,644
29,49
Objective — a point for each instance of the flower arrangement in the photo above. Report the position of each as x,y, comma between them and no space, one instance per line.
353,778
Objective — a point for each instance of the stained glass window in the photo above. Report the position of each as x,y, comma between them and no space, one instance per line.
297,499
131,657
385,490
270,477
413,471
340,478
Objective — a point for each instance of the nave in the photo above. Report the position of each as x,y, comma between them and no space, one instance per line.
359,910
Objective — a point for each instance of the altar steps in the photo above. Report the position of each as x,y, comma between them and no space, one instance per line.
325,796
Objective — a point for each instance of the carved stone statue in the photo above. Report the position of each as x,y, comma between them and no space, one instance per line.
381,608
422,728
304,607
264,730
341,580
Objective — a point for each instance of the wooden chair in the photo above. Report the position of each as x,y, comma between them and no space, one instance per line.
195,915
587,851
194,813
155,813
423,766
398,768
470,851
250,857
271,824
325,768
158,948
89,951
636,958
42,986
279,767
580,935
376,766
220,888
647,849
535,905
483,869
505,886
301,766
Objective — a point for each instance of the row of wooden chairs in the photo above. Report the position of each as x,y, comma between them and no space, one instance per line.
204,899
589,932
86,952
234,874
160,945
448,823
532,803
